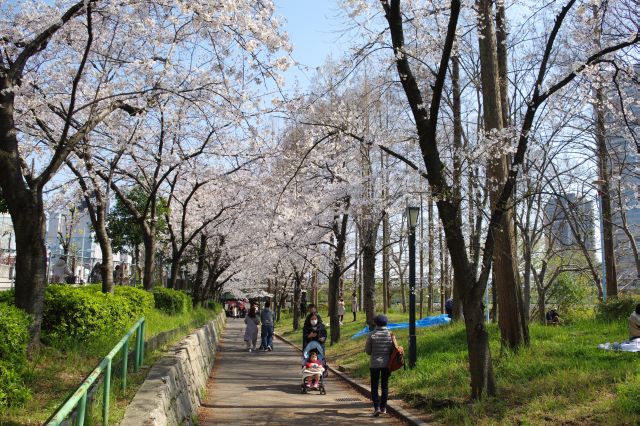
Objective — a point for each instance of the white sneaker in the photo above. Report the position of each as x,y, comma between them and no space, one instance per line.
250,350
269,348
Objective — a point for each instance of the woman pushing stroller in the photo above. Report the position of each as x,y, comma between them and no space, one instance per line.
313,329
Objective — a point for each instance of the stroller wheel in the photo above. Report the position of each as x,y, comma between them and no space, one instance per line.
303,388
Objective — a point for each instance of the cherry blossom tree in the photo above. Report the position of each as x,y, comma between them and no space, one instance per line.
63,78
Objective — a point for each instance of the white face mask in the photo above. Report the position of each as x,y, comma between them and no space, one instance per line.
314,322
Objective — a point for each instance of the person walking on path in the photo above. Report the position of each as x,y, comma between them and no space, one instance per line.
379,345
251,332
266,317
354,305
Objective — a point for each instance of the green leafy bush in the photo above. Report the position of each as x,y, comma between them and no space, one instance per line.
617,308
80,314
171,301
14,325
7,296
138,296
13,392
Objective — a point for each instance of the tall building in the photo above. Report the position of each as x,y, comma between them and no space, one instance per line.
571,221
623,138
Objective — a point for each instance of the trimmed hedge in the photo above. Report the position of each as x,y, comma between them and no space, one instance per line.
82,314
14,325
171,301
138,296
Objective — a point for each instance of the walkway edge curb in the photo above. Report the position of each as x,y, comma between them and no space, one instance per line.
399,412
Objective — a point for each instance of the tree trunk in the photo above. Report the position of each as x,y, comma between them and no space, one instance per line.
432,246
480,367
198,284
31,260
443,294
426,125
541,306
527,276
149,259
421,311
457,164
514,332
296,299
369,236
386,243
27,215
175,267
605,198
355,262
340,232
107,254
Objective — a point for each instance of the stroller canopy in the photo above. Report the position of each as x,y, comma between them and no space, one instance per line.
311,346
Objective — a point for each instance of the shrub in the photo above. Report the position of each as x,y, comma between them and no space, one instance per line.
78,314
141,300
14,325
617,308
13,392
138,296
171,301
7,296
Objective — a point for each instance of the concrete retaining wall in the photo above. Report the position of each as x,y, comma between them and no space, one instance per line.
171,393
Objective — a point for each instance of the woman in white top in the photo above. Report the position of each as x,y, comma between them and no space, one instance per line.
341,309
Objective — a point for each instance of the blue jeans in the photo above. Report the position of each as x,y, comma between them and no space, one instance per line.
379,402
266,335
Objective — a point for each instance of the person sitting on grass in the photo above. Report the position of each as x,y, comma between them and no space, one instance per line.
634,324
552,317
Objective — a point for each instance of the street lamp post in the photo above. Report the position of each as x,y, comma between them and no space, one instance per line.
412,219
599,183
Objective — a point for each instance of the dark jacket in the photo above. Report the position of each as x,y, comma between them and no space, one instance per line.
308,328
379,346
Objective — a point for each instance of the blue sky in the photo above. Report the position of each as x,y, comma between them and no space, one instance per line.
312,26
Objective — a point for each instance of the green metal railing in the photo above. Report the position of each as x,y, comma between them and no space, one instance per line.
79,397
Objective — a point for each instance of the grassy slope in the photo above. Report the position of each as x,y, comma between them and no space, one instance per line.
561,378
56,373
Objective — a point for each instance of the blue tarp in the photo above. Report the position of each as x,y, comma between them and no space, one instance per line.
424,322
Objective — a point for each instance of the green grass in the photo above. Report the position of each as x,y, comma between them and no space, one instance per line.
55,373
562,378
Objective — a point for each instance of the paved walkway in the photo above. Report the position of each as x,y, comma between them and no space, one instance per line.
263,388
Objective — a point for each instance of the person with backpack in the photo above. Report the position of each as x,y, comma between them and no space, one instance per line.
379,346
